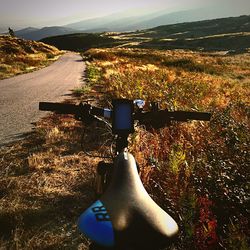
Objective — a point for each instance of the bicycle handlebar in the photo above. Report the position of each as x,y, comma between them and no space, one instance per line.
65,108
156,119
173,115
62,108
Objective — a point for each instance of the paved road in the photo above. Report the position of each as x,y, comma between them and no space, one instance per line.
20,95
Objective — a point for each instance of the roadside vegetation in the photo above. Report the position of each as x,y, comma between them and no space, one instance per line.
197,171
45,183
19,56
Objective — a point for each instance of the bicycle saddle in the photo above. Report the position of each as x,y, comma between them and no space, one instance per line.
126,217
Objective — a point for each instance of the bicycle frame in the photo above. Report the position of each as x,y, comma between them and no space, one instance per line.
104,170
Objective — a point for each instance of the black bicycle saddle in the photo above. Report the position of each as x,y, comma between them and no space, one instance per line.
126,217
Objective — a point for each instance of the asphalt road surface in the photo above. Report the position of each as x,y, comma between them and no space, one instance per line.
20,95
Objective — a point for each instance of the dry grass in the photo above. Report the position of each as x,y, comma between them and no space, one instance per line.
46,183
210,79
195,171
19,56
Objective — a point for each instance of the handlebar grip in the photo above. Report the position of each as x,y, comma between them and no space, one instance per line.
82,110
184,116
162,118
62,108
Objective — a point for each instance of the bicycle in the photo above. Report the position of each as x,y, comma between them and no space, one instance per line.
125,217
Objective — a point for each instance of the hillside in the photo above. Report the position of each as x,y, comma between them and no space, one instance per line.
203,28
218,34
21,56
80,41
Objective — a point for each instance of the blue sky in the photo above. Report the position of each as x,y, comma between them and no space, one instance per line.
22,13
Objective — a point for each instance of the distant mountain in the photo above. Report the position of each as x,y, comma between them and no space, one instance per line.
209,13
120,22
132,21
217,35
25,31
22,32
114,22
38,34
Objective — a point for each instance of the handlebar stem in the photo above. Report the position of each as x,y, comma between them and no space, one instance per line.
121,143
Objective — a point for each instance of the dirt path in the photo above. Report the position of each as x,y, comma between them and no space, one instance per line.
20,95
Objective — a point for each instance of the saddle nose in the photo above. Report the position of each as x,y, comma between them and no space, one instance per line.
133,219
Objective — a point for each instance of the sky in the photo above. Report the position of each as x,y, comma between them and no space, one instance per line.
36,13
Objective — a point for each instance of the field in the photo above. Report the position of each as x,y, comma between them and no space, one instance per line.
19,56
197,171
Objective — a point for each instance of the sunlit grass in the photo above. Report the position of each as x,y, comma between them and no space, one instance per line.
18,56
46,182
197,171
